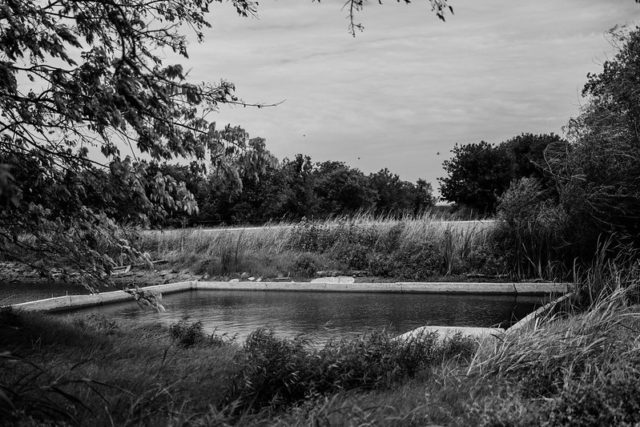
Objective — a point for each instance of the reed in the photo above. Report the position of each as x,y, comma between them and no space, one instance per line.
344,243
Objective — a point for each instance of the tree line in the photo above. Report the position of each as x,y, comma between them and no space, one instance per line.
252,186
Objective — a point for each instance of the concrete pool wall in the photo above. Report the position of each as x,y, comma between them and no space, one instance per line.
71,302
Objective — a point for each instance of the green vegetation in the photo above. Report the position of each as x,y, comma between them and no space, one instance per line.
97,371
254,187
478,174
410,248
570,368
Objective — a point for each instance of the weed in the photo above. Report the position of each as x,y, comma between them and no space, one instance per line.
188,334
305,265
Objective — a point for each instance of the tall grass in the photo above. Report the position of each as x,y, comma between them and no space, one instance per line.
409,248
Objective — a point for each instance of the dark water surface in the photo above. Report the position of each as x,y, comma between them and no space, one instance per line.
325,315
14,293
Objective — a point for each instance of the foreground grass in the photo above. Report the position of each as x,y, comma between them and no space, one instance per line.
411,248
583,369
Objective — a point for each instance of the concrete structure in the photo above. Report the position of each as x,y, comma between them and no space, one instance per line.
540,312
71,302
445,332
77,301
397,287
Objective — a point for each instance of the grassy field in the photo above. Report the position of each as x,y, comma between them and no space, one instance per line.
576,369
411,249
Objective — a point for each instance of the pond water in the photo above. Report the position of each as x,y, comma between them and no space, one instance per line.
322,316
14,293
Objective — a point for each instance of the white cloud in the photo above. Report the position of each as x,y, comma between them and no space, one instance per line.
409,86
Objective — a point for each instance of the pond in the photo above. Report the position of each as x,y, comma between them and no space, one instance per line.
322,316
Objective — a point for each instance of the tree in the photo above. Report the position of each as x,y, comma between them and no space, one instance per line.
397,197
528,159
477,175
341,190
80,75
599,176
439,7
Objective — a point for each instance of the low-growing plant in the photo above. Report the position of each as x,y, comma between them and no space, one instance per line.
99,323
305,265
276,372
188,334
612,399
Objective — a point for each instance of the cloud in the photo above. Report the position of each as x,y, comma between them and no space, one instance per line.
409,86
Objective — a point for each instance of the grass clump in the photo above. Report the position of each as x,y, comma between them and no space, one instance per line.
188,334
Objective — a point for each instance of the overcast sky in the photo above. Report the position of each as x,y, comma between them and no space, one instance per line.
408,87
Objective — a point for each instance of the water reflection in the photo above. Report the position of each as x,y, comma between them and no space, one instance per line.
322,316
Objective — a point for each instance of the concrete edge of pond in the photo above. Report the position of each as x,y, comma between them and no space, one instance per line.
444,332
70,302
482,334
397,287
532,317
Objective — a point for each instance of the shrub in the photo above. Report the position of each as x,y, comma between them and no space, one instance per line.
532,229
487,258
352,254
416,261
276,372
305,265
187,334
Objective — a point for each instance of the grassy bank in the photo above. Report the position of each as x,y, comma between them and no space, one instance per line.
578,370
421,248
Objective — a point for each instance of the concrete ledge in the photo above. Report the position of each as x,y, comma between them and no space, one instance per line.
71,302
399,287
533,316
77,301
444,332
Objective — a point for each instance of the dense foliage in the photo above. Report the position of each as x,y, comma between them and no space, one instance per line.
478,174
81,82
599,178
252,186
595,198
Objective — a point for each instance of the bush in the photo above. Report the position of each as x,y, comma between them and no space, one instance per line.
276,372
305,265
532,230
352,254
417,261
